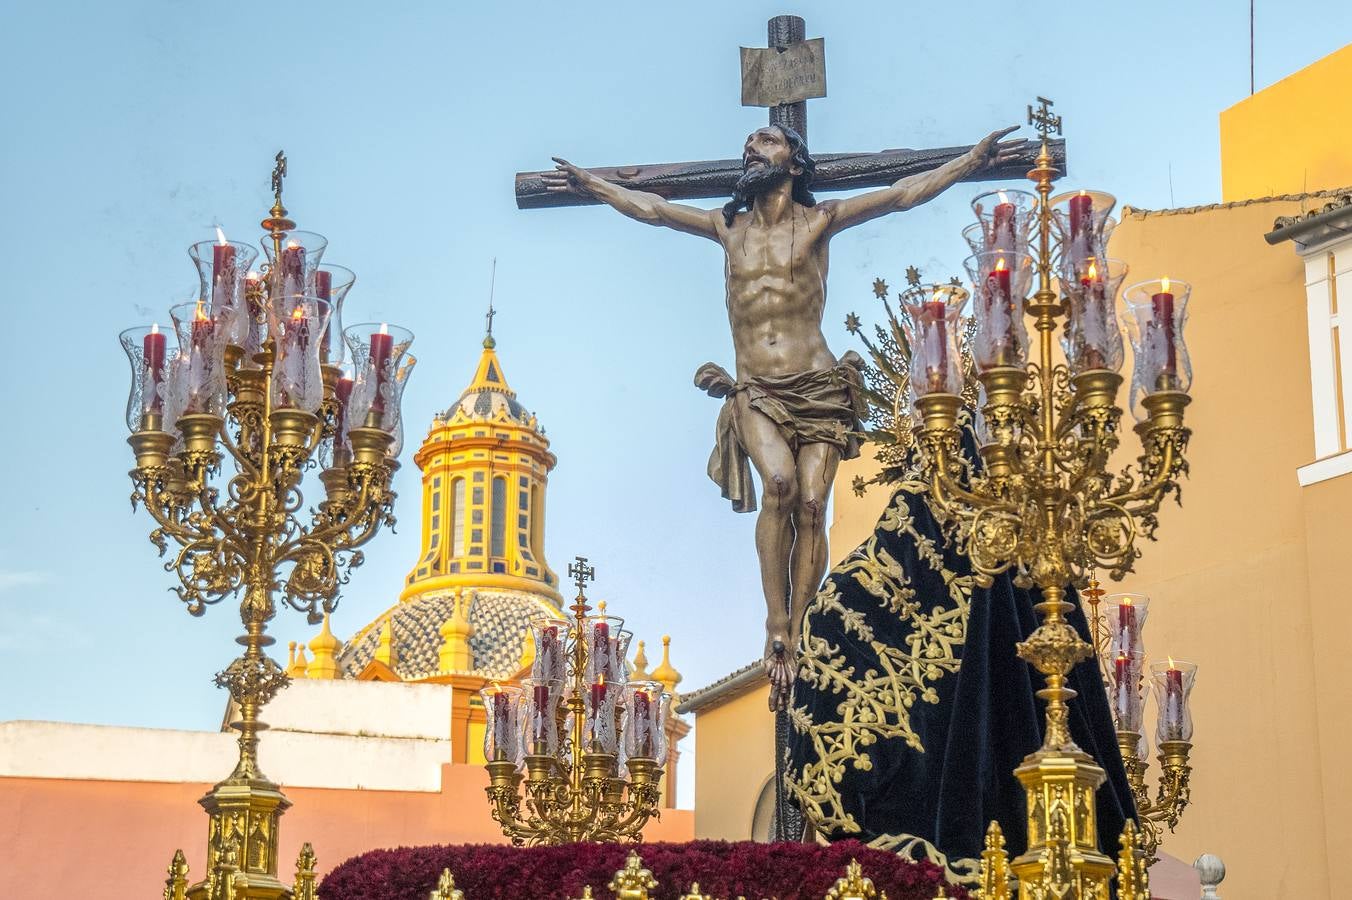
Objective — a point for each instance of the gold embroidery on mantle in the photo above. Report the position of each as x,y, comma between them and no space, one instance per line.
875,704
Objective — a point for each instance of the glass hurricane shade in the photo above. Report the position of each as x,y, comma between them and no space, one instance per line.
551,637
203,333
377,352
222,267
296,323
607,648
1127,700
1156,312
1004,220
293,258
1080,219
502,707
932,332
1092,338
1000,282
332,283
1173,681
645,713
1125,616
151,350
540,709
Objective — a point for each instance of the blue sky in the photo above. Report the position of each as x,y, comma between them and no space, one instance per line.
134,127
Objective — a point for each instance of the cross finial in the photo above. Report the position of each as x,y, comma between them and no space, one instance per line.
492,283
278,173
1042,118
581,573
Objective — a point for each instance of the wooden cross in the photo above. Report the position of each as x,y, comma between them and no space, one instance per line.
835,171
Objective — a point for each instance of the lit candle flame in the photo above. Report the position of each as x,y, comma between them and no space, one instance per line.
1127,601
1000,264
1164,285
1173,667
253,276
200,313
1093,273
220,236
292,244
155,329
1083,192
384,330
497,688
298,313
1003,199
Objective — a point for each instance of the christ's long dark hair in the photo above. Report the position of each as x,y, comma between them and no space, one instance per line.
802,182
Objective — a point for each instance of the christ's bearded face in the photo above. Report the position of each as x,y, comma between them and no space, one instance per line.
765,162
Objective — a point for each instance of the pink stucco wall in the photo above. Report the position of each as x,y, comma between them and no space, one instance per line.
62,838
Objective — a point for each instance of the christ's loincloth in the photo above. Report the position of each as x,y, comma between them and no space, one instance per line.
819,406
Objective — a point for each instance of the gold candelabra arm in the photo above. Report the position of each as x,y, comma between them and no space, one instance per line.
1172,791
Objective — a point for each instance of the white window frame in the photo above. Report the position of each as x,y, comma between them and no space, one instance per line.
1328,293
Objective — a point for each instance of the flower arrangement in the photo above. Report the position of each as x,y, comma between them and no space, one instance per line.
784,871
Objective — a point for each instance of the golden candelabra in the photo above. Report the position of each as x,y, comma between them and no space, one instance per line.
574,788
239,387
1042,501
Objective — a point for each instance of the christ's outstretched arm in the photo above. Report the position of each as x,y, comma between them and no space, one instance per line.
640,205
914,190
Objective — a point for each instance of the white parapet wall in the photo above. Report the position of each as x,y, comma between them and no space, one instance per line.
324,734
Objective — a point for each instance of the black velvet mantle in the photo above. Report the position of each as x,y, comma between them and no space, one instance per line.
957,689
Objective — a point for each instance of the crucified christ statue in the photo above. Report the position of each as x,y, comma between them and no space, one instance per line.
793,409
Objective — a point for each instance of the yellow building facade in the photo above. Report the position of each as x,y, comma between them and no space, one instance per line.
1248,578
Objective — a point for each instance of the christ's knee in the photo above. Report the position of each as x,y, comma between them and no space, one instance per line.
809,514
781,493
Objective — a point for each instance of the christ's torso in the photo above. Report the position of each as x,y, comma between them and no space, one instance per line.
776,284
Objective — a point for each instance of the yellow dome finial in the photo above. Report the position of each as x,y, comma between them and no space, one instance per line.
455,655
665,672
295,667
302,664
640,665
386,653
325,647
527,650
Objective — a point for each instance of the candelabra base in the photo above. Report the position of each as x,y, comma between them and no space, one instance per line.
242,841
1063,823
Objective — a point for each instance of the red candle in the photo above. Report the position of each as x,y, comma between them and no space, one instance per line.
1126,689
501,725
547,660
643,724
543,713
598,695
1173,702
938,371
601,649
1002,300
1162,305
153,351
323,284
1003,225
222,272
382,346
293,269
1081,218
201,327
342,393
1126,623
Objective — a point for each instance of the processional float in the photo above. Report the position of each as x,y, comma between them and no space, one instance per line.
253,372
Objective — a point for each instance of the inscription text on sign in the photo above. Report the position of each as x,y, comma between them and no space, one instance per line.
771,77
